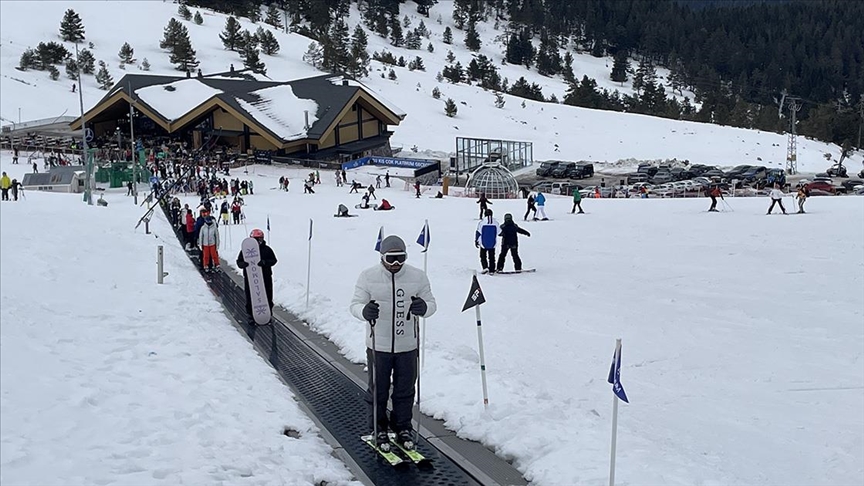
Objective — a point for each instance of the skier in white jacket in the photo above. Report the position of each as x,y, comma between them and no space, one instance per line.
208,241
387,295
776,198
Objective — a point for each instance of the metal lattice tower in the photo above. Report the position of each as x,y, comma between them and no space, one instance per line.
793,104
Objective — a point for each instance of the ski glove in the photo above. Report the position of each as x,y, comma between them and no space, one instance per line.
261,263
370,311
418,306
242,265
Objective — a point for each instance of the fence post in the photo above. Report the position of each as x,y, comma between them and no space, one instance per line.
160,275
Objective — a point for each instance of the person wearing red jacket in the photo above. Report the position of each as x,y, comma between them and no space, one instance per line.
190,227
714,193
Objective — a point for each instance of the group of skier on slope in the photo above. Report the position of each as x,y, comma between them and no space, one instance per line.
776,195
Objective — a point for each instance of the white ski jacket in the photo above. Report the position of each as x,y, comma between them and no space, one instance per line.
394,330
208,235
776,194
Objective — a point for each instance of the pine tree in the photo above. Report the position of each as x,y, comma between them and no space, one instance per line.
439,77
127,54
396,37
314,55
430,47
103,77
170,35
274,16
145,65
436,93
336,47
198,19
269,44
87,61
184,12
183,55
71,27
406,22
472,39
413,40
71,68
28,60
450,108
499,100
450,56
247,41
391,75
359,56
569,76
251,60
423,6
454,74
53,73
448,35
645,75
231,35
620,66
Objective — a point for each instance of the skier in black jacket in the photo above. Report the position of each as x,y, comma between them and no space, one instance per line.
510,242
268,259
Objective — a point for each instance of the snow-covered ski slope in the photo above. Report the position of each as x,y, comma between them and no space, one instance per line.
558,132
108,378
743,348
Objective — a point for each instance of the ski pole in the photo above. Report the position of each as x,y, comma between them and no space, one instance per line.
374,388
417,334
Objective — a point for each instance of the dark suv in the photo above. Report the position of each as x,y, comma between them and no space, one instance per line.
581,171
546,168
561,170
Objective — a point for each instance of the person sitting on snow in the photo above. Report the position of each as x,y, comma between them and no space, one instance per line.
384,206
342,211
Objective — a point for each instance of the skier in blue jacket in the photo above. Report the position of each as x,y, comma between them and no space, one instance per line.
540,199
485,238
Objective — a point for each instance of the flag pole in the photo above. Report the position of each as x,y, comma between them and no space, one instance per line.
309,264
482,357
423,322
614,420
268,228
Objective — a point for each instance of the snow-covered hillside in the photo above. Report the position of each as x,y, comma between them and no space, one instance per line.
108,378
557,131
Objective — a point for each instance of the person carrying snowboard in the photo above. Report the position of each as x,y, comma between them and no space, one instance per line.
484,204
531,207
510,242
577,202
803,194
485,238
386,297
776,198
268,260
540,199
208,241
714,193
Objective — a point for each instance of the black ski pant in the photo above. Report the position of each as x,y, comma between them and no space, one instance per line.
487,258
403,369
577,204
236,218
5,194
482,210
502,258
776,201
268,288
530,208
713,203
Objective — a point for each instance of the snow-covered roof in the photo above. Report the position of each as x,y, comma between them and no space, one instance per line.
279,110
173,100
340,80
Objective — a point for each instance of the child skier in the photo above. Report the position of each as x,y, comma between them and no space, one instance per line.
714,193
510,242
776,198
485,238
268,260
803,194
483,202
577,202
208,241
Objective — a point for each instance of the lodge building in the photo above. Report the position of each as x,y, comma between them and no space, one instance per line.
327,117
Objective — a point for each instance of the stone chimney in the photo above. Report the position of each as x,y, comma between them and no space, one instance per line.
232,68
200,74
188,74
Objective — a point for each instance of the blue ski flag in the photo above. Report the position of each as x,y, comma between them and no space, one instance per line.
310,230
424,238
268,223
380,237
615,374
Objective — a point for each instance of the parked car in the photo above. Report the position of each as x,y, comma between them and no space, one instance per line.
560,171
662,177
775,176
754,174
821,188
738,171
560,188
637,178
582,171
698,169
647,169
713,173
546,168
849,184
837,170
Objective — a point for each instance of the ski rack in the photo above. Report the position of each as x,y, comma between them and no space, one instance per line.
334,397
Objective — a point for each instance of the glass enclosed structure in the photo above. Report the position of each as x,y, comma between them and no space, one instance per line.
471,153
494,180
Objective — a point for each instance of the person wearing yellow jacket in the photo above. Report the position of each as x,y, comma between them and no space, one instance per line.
5,184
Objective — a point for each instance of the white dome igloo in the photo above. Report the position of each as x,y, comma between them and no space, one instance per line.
493,180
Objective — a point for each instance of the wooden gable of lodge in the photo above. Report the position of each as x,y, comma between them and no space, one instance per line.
360,116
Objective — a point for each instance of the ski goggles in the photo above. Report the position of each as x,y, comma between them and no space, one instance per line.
394,258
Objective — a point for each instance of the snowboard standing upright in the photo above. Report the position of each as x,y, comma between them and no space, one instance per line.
255,280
